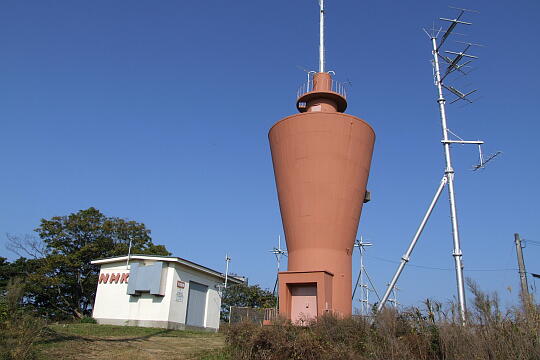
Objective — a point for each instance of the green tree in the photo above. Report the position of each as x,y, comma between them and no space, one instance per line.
60,280
243,295
11,270
5,273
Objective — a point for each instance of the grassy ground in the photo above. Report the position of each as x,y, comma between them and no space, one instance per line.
91,341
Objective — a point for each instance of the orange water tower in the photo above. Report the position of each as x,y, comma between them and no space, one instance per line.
321,160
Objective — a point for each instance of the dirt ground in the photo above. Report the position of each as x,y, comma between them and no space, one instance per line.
160,344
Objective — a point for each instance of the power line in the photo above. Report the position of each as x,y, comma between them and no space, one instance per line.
441,269
507,269
373,286
531,242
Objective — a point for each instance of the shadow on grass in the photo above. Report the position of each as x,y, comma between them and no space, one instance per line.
51,336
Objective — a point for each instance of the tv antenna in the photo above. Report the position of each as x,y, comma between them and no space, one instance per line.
278,252
365,307
454,62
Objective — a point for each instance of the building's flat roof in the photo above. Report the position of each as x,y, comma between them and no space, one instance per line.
173,259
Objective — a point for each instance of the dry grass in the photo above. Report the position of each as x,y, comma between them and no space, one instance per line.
24,336
430,333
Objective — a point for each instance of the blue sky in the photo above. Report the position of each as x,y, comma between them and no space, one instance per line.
159,112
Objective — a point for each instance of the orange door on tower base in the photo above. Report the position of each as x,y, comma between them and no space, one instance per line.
303,303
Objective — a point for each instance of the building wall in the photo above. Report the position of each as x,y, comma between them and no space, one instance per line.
113,301
213,299
114,306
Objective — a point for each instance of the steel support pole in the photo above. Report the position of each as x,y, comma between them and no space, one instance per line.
406,257
522,272
449,173
129,255
363,290
358,279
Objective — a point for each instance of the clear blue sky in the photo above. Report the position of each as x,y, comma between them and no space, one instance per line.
158,111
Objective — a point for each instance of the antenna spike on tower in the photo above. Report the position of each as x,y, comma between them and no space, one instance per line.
321,37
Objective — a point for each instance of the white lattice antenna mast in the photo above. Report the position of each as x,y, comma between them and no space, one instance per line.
394,299
360,281
321,37
278,252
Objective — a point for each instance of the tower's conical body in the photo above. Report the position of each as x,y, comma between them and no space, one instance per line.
321,163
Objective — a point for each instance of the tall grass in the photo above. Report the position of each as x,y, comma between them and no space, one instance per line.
431,332
19,329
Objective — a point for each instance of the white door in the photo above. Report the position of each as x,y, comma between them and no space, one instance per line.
196,306
303,303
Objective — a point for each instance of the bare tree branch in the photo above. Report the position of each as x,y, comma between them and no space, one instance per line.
26,246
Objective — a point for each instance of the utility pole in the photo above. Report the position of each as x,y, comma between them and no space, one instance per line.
522,272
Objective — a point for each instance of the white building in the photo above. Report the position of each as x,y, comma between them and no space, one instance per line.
158,291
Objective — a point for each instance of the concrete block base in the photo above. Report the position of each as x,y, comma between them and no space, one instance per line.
291,281
169,325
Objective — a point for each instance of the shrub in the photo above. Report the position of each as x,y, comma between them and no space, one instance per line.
87,320
422,334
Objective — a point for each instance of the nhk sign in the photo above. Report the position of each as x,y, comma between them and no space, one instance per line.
113,278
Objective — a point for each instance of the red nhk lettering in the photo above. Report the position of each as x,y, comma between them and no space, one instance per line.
103,278
124,278
113,278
